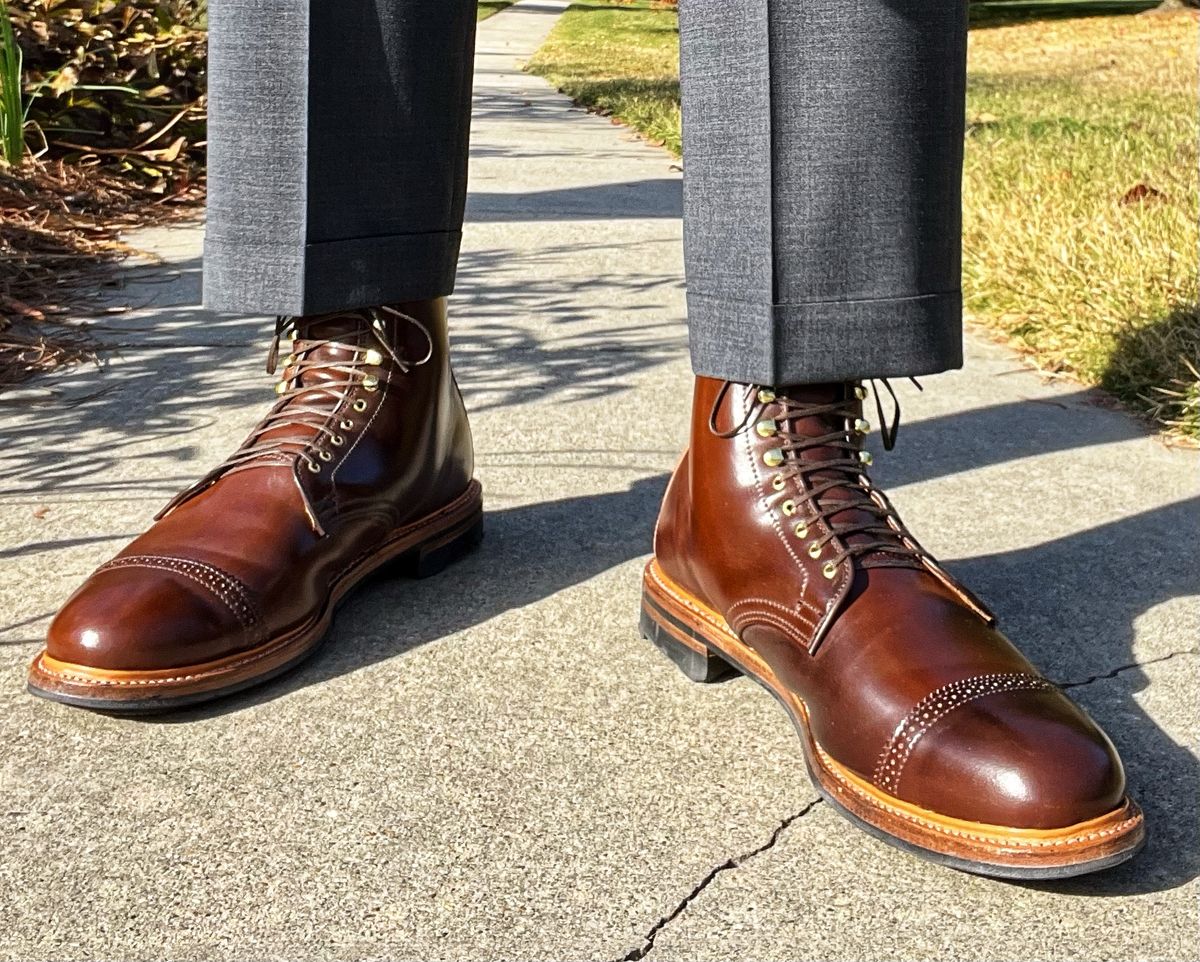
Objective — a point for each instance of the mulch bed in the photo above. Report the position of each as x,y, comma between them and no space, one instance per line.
60,229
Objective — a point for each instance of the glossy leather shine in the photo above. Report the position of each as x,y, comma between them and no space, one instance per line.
249,554
910,686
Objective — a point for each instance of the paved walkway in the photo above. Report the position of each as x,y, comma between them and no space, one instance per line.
492,763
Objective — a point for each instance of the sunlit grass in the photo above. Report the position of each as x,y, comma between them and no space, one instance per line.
12,101
1080,184
1081,198
620,59
488,7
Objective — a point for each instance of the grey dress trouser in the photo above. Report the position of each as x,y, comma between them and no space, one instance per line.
823,153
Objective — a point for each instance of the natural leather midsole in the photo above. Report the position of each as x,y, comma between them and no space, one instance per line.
431,531
701,622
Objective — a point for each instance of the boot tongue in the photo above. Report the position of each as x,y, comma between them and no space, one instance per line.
347,334
318,366
347,327
819,425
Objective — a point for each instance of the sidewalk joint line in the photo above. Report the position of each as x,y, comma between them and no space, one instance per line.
737,861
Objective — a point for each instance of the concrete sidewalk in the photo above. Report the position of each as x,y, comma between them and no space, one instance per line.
492,763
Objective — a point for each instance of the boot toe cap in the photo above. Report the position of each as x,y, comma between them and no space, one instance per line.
138,620
1022,759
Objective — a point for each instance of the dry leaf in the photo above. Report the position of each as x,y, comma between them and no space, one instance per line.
1142,192
20,307
64,80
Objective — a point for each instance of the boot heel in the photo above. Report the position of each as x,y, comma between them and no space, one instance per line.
691,657
429,560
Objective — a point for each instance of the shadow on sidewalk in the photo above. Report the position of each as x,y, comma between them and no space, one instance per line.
1068,602
1083,594
174,369
1047,595
636,200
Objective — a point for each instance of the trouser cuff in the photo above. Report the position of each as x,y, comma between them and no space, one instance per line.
331,276
824,341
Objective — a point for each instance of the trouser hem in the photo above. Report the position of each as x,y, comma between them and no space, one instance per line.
816,342
329,276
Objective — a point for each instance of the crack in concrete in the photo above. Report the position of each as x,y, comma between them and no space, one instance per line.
634,955
648,941
1123,668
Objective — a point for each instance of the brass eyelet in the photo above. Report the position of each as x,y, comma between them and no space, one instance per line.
346,424
337,440
814,549
373,357
860,392
773,458
290,360
359,405
801,529
866,458
862,425
281,387
325,455
313,467
766,428
766,397
779,482
370,383
829,570
788,508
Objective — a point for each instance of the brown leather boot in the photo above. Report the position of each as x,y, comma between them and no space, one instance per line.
364,459
776,556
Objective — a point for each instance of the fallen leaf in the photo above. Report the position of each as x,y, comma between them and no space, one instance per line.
64,80
172,152
20,307
1141,192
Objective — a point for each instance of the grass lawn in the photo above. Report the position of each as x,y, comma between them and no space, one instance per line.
487,7
1080,183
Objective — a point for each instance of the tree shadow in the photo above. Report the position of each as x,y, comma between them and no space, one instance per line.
171,369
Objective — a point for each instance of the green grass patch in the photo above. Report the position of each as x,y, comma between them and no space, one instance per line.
488,7
1080,183
621,60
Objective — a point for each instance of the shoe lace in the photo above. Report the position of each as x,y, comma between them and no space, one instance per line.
831,487
304,404
319,375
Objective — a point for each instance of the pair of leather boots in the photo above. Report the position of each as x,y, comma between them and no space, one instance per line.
774,556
